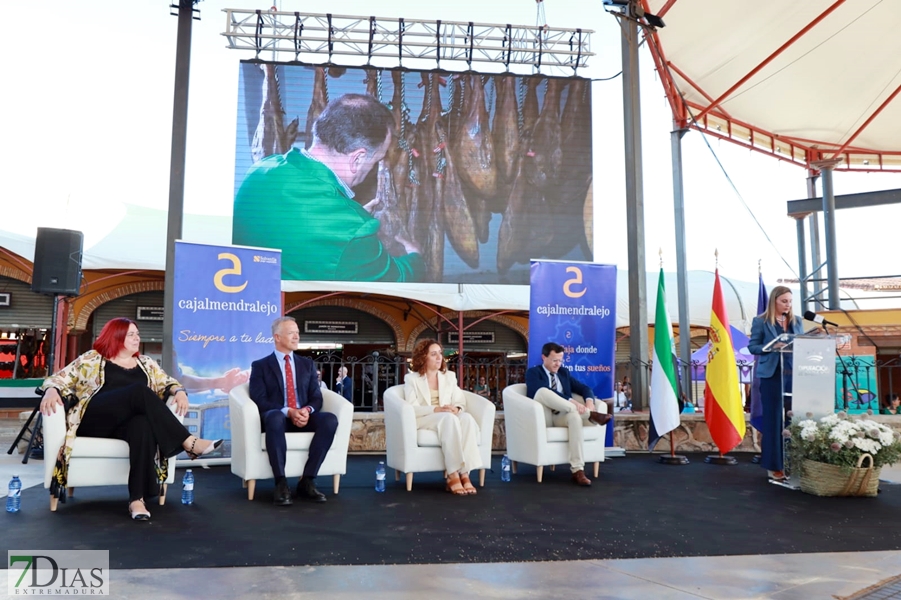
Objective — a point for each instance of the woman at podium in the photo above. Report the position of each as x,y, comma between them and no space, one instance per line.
775,378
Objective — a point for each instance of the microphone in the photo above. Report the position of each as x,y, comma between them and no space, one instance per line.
819,319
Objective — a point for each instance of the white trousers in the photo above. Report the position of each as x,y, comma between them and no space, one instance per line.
458,435
567,416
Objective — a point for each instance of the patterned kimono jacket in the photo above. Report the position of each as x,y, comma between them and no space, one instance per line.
77,383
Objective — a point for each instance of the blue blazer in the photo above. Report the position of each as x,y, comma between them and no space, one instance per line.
762,333
346,389
536,379
267,387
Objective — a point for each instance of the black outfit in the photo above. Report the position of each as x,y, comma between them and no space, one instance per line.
126,409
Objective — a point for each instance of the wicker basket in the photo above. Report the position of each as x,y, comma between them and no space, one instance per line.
821,479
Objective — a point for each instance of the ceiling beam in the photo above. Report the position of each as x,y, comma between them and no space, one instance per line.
800,208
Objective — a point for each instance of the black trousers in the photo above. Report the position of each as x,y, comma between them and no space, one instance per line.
275,425
137,416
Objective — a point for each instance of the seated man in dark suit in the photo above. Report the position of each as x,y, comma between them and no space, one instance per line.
344,385
551,384
286,390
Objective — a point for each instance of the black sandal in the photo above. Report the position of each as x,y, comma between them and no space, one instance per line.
194,456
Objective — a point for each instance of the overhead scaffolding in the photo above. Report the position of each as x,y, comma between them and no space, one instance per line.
298,36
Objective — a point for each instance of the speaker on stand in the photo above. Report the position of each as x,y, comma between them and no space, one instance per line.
57,271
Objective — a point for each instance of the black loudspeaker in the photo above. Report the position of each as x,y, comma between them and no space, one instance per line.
57,262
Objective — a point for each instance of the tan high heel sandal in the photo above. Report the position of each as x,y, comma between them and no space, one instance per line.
468,488
454,486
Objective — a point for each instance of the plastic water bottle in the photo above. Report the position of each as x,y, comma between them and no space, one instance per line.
187,490
505,468
380,477
14,499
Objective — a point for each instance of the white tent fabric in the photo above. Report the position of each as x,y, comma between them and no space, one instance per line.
138,242
819,75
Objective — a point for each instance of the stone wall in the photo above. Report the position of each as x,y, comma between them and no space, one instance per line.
631,433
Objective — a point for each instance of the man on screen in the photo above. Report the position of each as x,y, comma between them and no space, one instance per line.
551,384
303,203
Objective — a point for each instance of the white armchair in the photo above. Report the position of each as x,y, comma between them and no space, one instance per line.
532,439
93,462
416,451
249,459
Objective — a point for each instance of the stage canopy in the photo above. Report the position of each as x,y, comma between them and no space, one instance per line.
801,81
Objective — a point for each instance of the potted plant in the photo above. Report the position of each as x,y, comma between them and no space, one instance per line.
842,456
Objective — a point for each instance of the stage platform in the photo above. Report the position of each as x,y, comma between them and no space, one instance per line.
636,509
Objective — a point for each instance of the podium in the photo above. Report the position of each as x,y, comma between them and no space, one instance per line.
813,376
813,381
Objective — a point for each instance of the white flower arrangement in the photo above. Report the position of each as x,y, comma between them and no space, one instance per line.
840,440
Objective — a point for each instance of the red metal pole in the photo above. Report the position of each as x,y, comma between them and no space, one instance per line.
460,347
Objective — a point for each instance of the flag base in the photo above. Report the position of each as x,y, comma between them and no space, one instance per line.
756,459
669,459
720,460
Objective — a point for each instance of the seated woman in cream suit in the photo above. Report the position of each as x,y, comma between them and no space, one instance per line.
440,406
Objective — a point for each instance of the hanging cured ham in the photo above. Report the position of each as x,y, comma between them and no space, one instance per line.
459,224
472,145
544,146
432,181
399,155
372,82
271,136
386,211
574,174
516,226
530,105
588,222
505,133
317,104
473,149
420,198
575,128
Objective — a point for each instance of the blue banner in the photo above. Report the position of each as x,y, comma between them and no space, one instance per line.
574,305
226,298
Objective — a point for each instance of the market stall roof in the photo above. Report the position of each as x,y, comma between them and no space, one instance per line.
801,81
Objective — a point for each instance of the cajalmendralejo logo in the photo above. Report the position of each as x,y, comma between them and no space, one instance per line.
58,573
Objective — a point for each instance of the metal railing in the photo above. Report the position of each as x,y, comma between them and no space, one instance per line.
376,372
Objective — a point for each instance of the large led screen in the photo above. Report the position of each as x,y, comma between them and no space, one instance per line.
365,174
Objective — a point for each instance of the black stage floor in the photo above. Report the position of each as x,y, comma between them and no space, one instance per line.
637,509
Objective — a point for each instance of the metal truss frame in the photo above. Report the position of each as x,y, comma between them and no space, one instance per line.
298,34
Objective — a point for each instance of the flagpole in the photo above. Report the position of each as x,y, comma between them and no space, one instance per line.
721,459
673,458
756,458
723,410
663,327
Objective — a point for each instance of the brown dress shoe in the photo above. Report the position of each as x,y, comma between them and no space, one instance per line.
599,418
579,478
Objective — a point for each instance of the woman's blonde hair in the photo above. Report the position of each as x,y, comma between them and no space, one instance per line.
770,314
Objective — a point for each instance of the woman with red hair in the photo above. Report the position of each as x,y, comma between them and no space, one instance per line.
114,392
440,405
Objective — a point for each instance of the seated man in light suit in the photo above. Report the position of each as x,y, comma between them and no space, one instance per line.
286,390
551,384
